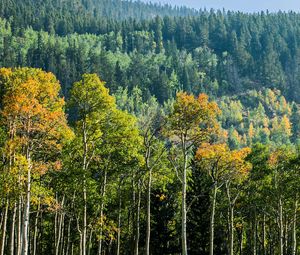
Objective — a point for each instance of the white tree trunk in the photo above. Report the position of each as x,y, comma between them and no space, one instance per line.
12,231
101,212
183,203
148,233
85,151
19,231
231,229
294,249
3,239
281,227
264,234
25,246
212,220
137,237
61,219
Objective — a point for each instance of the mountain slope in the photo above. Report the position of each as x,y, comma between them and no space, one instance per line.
68,16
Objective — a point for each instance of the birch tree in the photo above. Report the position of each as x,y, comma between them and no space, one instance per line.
191,121
33,113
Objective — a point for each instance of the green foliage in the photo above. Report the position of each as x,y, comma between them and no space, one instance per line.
147,54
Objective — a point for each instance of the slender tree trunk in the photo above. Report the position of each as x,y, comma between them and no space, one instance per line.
119,220
101,212
294,247
68,236
85,151
231,229
212,220
19,232
137,237
254,233
148,232
60,222
41,233
90,242
231,217
36,230
264,234
84,217
62,246
281,227
55,224
286,234
80,234
27,208
3,239
132,215
184,211
12,230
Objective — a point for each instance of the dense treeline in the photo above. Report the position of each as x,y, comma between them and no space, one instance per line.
128,176
82,16
214,52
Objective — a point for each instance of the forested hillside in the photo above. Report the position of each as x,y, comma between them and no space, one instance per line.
82,16
133,128
213,52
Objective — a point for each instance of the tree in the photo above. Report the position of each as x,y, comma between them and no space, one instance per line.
92,102
192,121
278,163
150,122
224,167
33,115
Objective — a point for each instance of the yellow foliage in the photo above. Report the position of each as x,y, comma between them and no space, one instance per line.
221,162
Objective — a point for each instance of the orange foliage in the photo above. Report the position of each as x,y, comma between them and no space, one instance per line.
32,106
194,118
222,163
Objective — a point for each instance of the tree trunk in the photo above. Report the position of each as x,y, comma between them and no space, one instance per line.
27,208
231,217
90,242
281,227
61,218
85,151
55,224
19,232
286,234
101,212
183,203
137,237
119,220
131,218
3,239
62,246
264,234
212,220
231,229
80,234
68,236
36,230
148,232
254,226
294,248
12,230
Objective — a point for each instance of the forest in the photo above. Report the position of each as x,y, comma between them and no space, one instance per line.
139,128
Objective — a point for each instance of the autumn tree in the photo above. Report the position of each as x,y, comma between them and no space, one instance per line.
227,168
33,114
191,121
